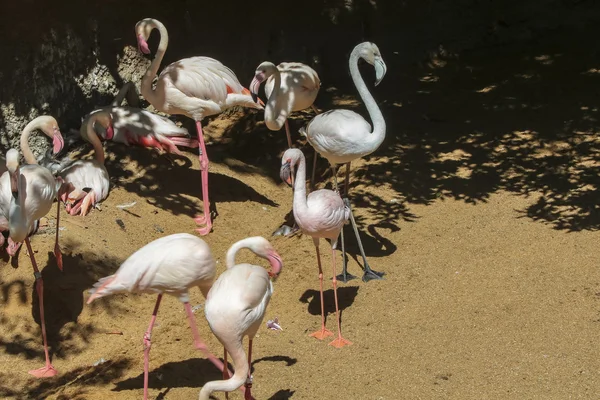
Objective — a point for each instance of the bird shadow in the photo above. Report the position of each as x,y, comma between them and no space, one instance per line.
289,361
282,394
346,297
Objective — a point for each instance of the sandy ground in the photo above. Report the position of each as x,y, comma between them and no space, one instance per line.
480,207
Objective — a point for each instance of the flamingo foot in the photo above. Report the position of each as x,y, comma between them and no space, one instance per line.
44,372
12,247
370,274
88,201
204,231
345,278
340,342
322,333
200,219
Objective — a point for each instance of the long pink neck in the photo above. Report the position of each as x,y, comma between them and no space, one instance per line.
27,153
93,138
146,87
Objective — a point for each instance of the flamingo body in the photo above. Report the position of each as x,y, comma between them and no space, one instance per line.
300,81
84,177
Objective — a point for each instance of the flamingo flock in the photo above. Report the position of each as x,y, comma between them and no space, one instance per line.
197,87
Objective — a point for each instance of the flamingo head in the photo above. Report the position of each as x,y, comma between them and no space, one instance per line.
12,164
263,248
369,52
263,72
142,31
288,161
49,126
104,119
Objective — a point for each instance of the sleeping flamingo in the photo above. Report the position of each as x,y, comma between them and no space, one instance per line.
291,86
195,87
235,307
34,189
171,264
320,215
342,136
86,181
49,127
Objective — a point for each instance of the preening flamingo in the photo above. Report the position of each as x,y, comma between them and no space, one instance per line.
49,127
172,264
321,215
34,189
195,87
235,307
86,181
342,136
290,86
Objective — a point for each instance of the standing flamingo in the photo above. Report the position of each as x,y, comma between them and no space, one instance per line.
34,189
320,215
291,86
235,307
86,181
342,136
172,264
196,87
49,127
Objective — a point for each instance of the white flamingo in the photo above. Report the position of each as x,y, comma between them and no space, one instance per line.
172,264
86,181
34,189
290,86
342,136
235,307
321,215
195,87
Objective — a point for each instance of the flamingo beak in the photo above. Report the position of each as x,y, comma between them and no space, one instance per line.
286,173
380,70
255,85
58,142
276,265
142,44
110,131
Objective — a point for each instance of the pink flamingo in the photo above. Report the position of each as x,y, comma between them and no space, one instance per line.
172,264
290,86
34,189
342,136
320,215
235,307
49,127
195,87
86,181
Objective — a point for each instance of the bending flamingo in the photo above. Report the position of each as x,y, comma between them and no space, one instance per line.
195,87
235,307
172,264
321,215
86,181
291,86
34,189
342,136
49,127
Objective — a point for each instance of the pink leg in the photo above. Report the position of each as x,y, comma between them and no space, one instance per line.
203,219
12,247
248,395
289,136
88,202
323,332
340,341
148,344
48,370
200,345
57,252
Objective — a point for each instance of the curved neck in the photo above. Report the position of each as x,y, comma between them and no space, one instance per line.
150,74
232,252
239,376
27,153
378,133
93,138
17,218
300,206
275,114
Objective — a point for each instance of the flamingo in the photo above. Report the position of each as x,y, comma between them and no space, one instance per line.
34,189
196,87
290,86
321,215
342,136
235,307
171,264
49,127
86,181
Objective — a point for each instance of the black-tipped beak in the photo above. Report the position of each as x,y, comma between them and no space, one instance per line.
286,173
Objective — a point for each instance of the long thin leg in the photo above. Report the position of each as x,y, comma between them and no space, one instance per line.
339,341
289,136
48,370
323,332
57,252
206,218
248,385
344,276
200,345
225,370
148,344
